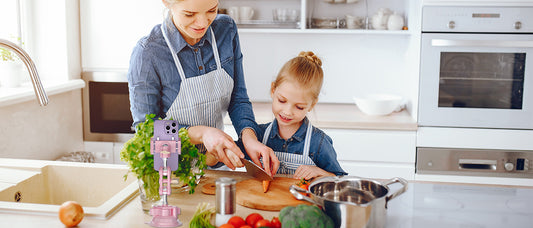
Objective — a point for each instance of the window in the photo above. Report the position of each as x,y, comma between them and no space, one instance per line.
10,20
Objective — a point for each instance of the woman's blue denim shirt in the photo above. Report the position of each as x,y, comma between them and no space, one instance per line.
321,150
154,81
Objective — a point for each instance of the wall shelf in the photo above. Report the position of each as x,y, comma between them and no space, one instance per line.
324,31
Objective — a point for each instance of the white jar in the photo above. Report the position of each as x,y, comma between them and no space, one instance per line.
11,73
395,22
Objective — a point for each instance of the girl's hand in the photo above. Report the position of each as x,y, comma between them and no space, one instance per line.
218,144
260,150
257,150
310,171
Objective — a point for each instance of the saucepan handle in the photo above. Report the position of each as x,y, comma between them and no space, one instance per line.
400,180
297,192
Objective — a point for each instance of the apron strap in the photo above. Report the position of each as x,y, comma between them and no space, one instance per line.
174,54
307,140
267,133
215,49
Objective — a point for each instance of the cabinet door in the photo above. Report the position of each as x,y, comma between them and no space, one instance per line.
374,145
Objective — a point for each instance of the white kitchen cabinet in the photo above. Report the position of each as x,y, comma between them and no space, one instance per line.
375,153
371,153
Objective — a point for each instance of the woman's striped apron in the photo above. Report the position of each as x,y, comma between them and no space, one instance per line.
201,100
289,162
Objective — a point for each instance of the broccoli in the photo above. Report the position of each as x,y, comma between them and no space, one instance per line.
304,216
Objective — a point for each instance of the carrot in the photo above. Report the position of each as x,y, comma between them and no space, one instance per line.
266,184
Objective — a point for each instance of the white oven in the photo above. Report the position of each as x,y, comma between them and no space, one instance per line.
477,67
475,111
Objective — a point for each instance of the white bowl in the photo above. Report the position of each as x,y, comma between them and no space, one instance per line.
379,104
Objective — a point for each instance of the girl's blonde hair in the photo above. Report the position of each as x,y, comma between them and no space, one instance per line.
306,70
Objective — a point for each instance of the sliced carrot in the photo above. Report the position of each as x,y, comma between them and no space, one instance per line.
266,184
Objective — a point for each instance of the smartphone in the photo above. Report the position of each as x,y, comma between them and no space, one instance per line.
166,130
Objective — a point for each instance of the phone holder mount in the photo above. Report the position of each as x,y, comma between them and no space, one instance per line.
166,157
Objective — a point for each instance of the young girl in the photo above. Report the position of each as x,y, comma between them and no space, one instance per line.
303,150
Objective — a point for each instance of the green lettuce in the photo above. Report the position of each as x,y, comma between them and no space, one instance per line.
136,153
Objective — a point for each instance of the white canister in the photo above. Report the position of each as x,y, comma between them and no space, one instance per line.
11,73
395,22
233,12
246,13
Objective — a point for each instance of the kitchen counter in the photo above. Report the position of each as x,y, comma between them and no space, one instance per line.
342,116
424,204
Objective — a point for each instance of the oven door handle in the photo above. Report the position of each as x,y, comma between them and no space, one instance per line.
481,43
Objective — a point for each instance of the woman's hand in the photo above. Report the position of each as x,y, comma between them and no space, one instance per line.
218,144
310,171
256,150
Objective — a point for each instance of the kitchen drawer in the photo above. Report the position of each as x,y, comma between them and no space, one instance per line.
374,145
379,170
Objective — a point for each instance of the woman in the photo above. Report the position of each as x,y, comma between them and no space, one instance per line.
189,68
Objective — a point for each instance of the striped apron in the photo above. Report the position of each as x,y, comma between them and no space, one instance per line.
201,100
289,162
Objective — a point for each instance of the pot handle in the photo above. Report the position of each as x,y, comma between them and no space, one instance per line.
399,191
296,192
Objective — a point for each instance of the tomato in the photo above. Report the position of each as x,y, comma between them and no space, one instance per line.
237,221
227,225
262,223
246,226
275,223
71,213
252,218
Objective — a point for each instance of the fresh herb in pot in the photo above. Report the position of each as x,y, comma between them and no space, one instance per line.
136,152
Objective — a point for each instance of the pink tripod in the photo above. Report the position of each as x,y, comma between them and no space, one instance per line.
166,156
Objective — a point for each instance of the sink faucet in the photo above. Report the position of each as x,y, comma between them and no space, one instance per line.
35,80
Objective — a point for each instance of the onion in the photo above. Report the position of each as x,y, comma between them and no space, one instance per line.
70,213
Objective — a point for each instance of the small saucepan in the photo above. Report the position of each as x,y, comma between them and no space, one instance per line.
351,201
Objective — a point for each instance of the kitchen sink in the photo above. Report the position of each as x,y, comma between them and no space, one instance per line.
35,186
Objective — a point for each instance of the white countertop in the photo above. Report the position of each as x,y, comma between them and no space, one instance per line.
342,116
424,204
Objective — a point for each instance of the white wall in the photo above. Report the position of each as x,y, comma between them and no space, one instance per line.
110,30
31,131
353,63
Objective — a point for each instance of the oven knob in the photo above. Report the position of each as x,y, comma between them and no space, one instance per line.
451,24
518,25
508,166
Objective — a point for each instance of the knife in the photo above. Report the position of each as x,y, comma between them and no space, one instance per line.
256,171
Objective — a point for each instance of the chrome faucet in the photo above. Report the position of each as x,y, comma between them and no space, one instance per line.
30,65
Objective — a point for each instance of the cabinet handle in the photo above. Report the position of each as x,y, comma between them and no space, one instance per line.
481,43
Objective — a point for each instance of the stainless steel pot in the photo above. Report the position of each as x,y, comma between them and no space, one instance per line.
352,201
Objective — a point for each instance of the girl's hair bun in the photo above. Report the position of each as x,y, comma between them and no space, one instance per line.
309,55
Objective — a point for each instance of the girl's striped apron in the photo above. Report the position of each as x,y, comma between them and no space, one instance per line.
201,100
289,162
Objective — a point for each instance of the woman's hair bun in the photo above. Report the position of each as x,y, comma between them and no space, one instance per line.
309,55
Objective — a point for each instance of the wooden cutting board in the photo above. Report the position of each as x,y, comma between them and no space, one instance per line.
250,194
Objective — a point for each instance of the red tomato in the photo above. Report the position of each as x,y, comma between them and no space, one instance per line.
262,223
275,223
237,221
246,226
227,225
252,219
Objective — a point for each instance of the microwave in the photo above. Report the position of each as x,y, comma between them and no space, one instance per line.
106,107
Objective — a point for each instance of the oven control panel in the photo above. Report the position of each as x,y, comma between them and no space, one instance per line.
477,19
475,162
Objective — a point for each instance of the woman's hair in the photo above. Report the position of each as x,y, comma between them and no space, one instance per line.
306,70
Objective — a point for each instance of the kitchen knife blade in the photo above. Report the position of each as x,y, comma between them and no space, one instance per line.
256,171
